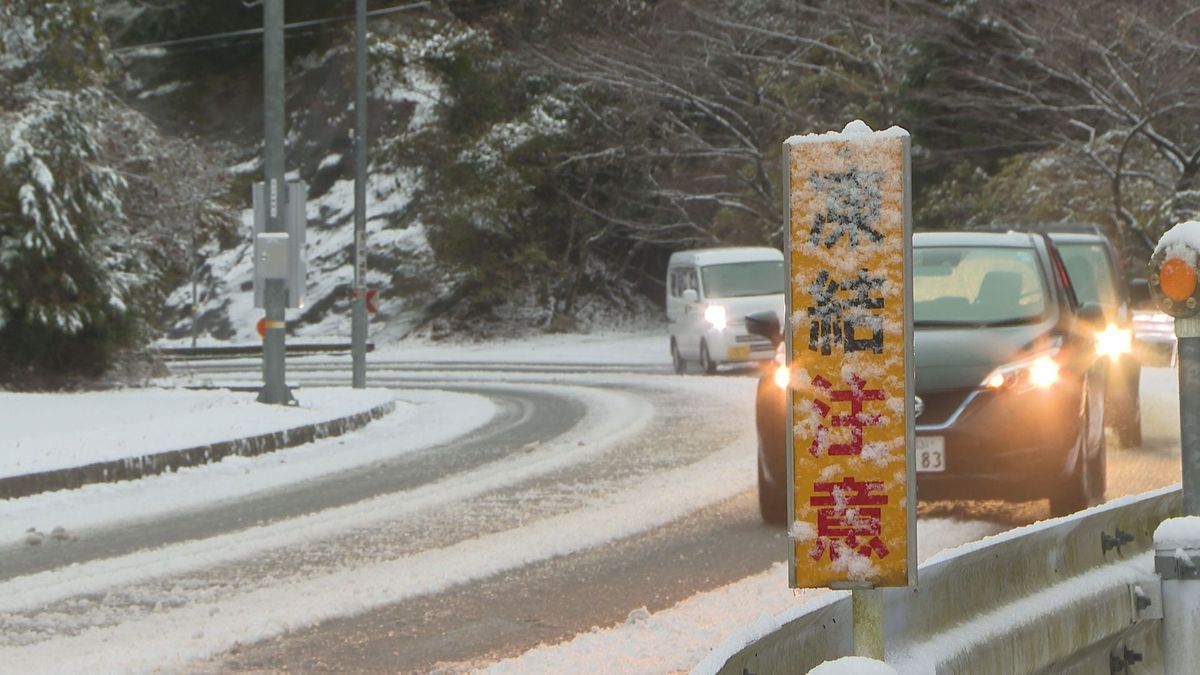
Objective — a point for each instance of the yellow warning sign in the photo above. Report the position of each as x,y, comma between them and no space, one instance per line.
849,344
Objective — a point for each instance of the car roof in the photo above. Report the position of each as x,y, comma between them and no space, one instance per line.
1076,238
974,239
728,254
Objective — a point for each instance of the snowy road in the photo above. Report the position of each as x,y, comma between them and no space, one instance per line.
580,495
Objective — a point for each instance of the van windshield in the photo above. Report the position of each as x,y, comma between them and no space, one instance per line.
735,280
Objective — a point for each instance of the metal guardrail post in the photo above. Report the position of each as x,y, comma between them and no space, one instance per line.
1177,562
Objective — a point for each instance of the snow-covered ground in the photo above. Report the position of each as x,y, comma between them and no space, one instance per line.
172,637
422,418
43,432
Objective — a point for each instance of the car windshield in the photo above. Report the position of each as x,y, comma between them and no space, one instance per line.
955,286
1090,274
735,280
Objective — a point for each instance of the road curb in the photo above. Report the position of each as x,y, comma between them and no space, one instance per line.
131,468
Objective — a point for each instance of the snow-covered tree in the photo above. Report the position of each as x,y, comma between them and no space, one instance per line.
1113,83
81,234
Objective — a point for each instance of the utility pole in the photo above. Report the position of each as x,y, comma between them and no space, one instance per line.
358,321
275,389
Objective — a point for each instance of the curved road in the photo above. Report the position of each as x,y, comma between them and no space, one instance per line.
484,587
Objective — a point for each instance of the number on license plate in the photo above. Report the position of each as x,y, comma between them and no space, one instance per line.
931,454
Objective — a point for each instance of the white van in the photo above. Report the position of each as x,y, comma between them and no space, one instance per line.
709,293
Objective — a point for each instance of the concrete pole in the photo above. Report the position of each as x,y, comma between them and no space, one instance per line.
358,322
866,611
275,389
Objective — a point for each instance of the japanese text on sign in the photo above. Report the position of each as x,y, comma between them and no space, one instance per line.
849,343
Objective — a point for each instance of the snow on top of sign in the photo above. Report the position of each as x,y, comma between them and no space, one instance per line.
1181,241
853,131
1183,532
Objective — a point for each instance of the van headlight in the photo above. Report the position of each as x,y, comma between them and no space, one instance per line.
715,315
1113,342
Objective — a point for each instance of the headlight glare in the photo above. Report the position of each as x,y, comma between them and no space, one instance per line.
715,315
1040,372
783,377
1113,342
1043,372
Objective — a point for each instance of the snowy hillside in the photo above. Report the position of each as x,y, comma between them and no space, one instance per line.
320,152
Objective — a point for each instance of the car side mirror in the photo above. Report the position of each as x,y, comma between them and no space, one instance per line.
1139,294
765,324
1091,314
690,295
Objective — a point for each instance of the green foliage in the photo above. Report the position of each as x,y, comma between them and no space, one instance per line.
68,268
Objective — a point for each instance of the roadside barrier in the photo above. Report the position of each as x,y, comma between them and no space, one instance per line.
233,351
1070,595
131,468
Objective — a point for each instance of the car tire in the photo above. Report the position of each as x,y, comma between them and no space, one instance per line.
1098,473
772,501
1126,406
1129,424
1076,492
706,363
677,360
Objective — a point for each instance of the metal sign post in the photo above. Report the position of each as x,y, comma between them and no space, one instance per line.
1173,283
358,321
275,389
852,517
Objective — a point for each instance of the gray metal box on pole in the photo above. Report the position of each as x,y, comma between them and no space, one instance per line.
295,226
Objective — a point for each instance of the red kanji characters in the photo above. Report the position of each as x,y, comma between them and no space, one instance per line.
856,420
843,524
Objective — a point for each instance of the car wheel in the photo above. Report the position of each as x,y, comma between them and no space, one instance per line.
1098,473
1076,491
1129,424
1124,404
706,363
772,501
677,360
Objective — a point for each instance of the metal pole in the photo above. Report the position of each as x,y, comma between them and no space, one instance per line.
1176,548
275,389
358,321
195,301
866,612
1187,332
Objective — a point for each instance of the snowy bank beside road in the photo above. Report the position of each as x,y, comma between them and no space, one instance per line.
421,419
46,432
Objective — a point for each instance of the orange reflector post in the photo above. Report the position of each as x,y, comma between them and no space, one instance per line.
1177,279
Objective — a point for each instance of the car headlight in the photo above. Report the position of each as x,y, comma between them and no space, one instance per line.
715,314
782,377
1113,342
1038,372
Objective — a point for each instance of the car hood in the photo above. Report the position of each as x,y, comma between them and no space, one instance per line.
960,358
736,309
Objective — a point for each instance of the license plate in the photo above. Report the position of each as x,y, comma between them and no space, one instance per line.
931,454
739,352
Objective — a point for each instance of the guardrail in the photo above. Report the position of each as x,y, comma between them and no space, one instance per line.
228,351
1075,594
